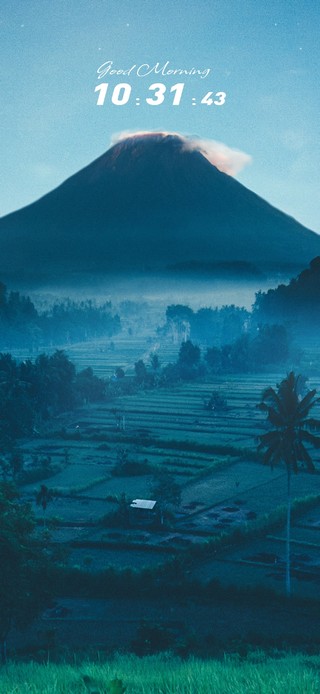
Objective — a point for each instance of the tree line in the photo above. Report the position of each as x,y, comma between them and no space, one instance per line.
221,324
21,324
297,302
270,345
34,391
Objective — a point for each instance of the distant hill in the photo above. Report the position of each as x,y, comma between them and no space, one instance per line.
298,301
148,203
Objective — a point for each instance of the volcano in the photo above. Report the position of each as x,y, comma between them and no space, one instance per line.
151,201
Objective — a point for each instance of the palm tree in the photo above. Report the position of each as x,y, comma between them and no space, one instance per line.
288,412
43,497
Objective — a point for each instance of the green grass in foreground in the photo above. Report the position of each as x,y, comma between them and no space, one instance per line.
258,674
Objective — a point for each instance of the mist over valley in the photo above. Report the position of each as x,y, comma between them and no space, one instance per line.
148,307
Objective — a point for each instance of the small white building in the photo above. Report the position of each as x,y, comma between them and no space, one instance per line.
143,509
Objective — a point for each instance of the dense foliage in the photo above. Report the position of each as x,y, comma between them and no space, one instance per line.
23,578
34,391
298,301
208,324
267,345
71,321
21,324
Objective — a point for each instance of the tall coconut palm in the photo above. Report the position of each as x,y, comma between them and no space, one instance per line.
43,497
288,412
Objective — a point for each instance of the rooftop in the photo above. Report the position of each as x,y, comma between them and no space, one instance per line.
143,503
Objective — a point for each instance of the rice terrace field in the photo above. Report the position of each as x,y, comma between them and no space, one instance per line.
226,529
226,534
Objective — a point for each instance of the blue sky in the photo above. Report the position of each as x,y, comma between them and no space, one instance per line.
265,56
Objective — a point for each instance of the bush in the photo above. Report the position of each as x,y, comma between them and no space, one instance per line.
38,474
132,468
152,638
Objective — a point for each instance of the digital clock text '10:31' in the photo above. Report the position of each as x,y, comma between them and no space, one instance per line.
121,94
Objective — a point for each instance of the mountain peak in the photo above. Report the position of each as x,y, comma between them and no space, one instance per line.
152,200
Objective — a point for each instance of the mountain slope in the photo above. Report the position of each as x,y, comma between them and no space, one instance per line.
150,201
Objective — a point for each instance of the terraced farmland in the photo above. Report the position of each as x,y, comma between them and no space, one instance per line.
211,456
262,562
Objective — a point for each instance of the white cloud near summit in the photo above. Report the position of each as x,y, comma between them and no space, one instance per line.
230,161
226,159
